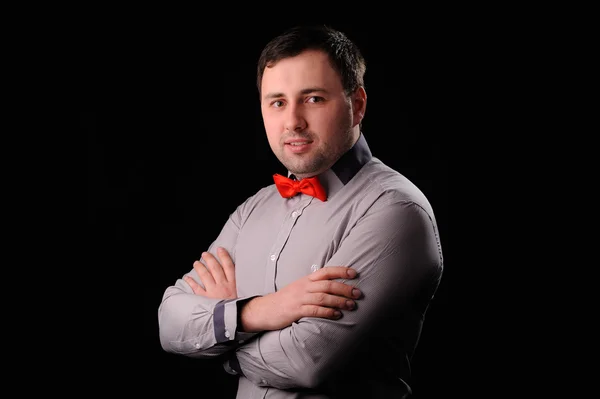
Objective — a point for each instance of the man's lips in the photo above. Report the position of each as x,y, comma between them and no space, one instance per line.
297,146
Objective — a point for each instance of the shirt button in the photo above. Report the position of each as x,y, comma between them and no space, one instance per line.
314,268
294,214
227,335
264,381
273,257
197,346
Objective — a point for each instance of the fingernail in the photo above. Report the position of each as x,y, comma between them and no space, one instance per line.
351,273
355,292
337,314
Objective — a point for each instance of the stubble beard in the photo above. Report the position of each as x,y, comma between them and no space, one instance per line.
318,160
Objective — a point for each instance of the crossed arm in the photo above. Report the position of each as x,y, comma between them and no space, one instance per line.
315,295
294,337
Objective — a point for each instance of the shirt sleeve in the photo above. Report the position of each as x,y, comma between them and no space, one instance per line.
396,251
197,326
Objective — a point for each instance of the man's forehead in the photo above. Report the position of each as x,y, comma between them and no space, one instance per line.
300,75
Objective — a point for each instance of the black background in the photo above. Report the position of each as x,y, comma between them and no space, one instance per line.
176,142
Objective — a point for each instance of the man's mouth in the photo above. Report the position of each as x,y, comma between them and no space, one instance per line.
298,146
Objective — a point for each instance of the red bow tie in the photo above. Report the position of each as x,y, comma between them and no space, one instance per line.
288,187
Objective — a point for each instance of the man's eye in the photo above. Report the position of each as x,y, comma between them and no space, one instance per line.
277,103
315,99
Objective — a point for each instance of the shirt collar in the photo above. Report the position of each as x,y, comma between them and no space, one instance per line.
346,167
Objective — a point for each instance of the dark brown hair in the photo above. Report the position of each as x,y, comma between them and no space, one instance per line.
344,55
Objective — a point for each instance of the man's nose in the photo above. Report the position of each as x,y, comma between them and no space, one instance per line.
294,119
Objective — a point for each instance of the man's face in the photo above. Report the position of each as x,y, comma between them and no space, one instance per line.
309,120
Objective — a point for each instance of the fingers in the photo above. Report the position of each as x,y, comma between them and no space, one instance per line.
205,275
216,270
198,290
334,288
226,263
326,297
332,272
321,312
322,299
323,280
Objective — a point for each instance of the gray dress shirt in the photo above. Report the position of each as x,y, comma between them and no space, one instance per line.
375,221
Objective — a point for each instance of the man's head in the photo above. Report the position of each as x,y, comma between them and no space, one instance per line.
310,81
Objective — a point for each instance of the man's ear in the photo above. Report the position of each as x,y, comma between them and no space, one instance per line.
359,105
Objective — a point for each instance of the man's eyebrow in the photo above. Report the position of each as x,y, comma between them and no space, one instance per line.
303,92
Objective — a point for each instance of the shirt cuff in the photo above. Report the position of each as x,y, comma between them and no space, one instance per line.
225,321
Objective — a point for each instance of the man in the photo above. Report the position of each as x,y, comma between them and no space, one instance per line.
317,285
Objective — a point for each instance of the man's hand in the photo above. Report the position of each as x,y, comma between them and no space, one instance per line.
314,295
217,277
